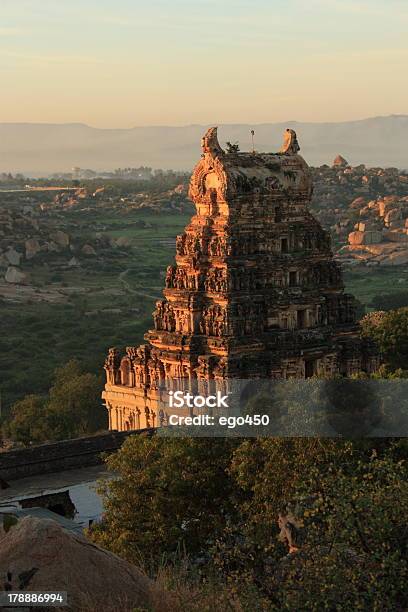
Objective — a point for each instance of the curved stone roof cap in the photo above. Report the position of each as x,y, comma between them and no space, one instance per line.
340,161
234,173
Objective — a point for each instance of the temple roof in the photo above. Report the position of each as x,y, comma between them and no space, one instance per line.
339,161
238,172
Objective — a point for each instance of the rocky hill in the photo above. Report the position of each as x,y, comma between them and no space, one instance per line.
43,231
365,210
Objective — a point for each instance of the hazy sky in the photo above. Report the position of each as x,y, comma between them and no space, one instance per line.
120,63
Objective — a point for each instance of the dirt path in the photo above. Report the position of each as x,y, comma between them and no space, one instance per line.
129,289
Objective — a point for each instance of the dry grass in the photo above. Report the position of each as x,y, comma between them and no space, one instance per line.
172,592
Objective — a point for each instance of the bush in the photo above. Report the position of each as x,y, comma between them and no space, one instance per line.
171,495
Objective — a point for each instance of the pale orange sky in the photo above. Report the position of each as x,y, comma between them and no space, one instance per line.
124,63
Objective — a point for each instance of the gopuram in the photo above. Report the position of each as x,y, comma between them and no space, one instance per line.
254,292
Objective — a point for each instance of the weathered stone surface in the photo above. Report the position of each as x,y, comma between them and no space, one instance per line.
339,195
340,162
88,249
254,292
357,203
13,257
384,248
73,262
122,241
15,276
32,248
62,560
356,237
290,143
392,215
396,236
399,258
369,225
61,238
374,237
365,237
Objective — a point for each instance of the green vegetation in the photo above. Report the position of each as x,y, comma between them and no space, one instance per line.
209,508
391,301
367,283
390,332
39,337
71,409
110,305
121,182
106,302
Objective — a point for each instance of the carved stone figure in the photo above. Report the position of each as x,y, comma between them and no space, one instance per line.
169,276
290,143
210,144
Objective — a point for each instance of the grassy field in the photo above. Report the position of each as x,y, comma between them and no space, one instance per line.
366,283
109,302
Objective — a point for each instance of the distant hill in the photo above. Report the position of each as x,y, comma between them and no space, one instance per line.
41,148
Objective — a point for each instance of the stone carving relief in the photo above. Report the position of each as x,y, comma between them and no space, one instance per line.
290,143
111,366
214,321
164,317
216,280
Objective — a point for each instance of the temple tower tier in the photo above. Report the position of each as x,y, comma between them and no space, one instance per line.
254,291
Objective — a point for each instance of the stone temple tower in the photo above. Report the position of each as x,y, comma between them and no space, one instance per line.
254,292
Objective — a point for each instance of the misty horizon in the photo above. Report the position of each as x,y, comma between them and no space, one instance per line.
204,124
40,149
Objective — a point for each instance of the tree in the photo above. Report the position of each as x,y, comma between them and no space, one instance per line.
28,421
390,331
232,147
349,500
170,495
218,500
73,408
354,554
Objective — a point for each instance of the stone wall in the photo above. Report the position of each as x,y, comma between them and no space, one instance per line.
59,456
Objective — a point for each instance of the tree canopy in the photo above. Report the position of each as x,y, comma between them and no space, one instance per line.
72,408
215,503
390,332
